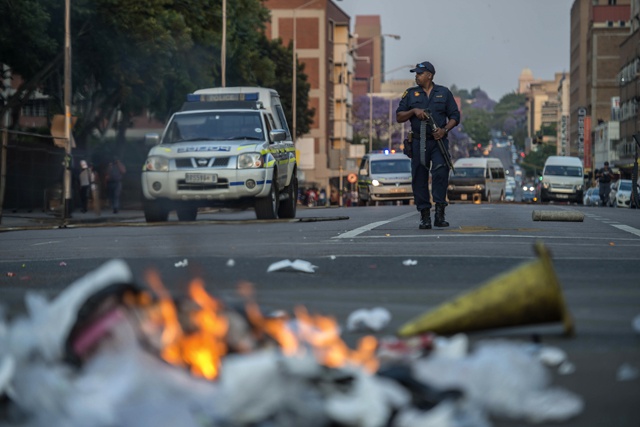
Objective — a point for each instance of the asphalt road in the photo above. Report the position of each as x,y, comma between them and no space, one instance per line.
359,254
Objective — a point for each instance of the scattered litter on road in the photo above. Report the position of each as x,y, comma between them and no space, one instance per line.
231,263
182,263
297,265
333,257
636,323
62,264
408,262
552,356
627,372
11,274
368,319
566,368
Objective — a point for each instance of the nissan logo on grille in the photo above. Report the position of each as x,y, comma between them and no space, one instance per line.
202,162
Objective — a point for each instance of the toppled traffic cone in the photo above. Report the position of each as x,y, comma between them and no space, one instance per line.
529,294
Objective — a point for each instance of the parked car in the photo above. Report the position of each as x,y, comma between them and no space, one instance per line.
509,195
620,195
592,197
529,194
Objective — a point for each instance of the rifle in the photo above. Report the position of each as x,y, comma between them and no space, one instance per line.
431,124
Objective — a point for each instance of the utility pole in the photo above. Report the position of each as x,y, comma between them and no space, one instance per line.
223,51
67,109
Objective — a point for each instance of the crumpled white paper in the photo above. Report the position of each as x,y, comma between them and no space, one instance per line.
368,319
298,265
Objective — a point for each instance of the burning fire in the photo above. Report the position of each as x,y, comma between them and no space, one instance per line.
201,342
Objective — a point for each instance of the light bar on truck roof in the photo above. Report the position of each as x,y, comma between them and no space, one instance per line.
209,97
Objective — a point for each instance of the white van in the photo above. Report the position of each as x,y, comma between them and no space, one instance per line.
384,177
562,179
482,176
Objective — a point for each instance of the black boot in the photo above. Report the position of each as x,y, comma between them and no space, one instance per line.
439,218
425,219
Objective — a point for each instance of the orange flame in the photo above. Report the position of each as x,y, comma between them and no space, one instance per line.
203,348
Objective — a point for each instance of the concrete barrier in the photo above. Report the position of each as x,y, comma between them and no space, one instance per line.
568,216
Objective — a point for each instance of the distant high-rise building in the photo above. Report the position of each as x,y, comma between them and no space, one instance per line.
370,56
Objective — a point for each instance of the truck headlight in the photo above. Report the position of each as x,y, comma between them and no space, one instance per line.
375,183
545,185
579,187
249,161
156,164
451,187
479,187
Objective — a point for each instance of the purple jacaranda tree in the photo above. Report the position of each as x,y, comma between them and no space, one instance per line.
381,121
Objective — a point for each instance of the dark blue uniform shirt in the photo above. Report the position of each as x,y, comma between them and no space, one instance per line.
441,104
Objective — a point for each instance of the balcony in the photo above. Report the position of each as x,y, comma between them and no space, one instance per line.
342,130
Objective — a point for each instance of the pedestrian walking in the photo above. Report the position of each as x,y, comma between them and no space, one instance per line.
419,103
85,178
604,181
115,173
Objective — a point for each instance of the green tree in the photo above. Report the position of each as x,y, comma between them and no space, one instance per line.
129,56
505,108
283,83
533,163
476,124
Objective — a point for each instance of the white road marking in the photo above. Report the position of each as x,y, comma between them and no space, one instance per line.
627,228
46,243
353,233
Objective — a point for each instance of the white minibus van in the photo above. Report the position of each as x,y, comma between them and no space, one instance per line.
562,179
477,175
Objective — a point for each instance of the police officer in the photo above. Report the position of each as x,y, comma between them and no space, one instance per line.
440,102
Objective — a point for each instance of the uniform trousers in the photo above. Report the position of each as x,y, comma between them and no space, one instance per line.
434,163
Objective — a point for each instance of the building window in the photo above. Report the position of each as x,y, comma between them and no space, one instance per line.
612,2
330,29
331,77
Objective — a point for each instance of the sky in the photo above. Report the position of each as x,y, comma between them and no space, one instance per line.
473,43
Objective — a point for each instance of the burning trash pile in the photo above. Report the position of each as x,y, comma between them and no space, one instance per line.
107,352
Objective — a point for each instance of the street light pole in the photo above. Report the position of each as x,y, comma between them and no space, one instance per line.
67,109
294,77
223,51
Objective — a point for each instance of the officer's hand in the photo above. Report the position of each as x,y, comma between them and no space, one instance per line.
439,134
419,113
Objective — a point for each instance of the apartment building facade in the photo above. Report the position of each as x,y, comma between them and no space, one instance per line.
322,43
629,82
598,29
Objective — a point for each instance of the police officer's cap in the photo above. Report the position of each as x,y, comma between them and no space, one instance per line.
424,66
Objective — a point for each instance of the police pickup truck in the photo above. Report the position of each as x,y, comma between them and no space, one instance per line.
226,147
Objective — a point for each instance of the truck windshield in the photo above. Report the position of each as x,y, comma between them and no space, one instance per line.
559,170
391,166
215,125
469,172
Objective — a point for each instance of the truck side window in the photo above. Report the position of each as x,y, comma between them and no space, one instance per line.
270,126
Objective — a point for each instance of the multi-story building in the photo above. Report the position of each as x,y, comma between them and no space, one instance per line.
564,106
542,107
629,83
369,55
320,32
598,27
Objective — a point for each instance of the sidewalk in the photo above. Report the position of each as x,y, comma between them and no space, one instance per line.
37,219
